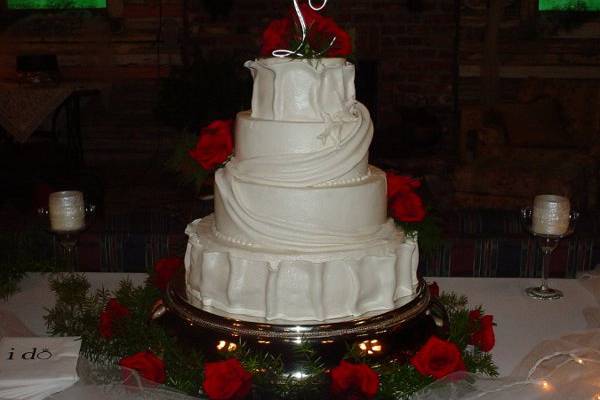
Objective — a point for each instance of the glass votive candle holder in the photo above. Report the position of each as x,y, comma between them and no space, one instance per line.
67,211
551,215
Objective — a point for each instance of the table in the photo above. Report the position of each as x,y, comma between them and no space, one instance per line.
522,322
23,108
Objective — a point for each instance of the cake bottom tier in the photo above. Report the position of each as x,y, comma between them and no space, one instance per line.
297,286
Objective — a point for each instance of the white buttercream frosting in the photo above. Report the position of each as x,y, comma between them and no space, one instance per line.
297,287
297,153
340,216
300,229
334,159
288,89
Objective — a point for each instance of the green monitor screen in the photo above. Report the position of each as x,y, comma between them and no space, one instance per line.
569,5
54,4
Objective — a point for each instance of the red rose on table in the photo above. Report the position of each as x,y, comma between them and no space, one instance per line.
113,312
354,381
434,289
164,269
407,207
483,337
147,365
226,380
277,36
438,358
215,144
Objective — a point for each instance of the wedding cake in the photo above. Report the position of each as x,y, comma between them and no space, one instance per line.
300,230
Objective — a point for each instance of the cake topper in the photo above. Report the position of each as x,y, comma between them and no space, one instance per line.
317,8
281,53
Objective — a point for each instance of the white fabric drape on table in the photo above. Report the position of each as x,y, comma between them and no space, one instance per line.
564,368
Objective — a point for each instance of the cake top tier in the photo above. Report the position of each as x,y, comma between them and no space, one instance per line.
292,89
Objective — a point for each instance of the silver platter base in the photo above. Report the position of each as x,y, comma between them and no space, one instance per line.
392,335
544,293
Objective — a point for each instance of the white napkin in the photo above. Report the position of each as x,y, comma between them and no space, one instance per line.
33,368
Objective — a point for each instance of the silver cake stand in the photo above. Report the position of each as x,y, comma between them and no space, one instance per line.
391,336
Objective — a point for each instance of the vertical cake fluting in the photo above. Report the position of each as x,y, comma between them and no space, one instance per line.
300,229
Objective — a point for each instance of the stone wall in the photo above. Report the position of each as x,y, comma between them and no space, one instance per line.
528,44
412,43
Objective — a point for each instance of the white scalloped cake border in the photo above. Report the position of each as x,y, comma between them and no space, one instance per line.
297,287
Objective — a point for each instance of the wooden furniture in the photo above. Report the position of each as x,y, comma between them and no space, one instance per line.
24,108
544,142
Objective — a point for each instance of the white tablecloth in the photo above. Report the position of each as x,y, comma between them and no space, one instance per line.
522,322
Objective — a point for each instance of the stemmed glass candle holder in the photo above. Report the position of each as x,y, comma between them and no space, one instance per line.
67,213
550,220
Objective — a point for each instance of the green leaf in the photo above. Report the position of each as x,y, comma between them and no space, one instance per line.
77,313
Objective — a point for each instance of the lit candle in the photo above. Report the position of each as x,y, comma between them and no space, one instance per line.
550,214
67,211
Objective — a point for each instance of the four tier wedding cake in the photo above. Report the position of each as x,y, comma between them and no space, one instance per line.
300,229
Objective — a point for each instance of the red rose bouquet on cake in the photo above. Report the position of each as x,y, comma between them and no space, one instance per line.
322,36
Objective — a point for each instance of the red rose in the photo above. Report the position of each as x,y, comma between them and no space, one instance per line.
342,47
147,365
215,144
113,312
434,289
483,337
405,204
407,207
164,269
286,33
438,358
397,184
322,31
354,381
226,380
277,36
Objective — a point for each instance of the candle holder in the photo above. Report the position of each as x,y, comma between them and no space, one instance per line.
547,243
67,239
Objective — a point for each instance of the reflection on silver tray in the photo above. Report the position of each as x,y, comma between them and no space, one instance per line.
240,325
391,335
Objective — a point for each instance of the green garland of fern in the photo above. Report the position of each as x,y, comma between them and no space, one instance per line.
77,311
428,232
180,162
19,254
